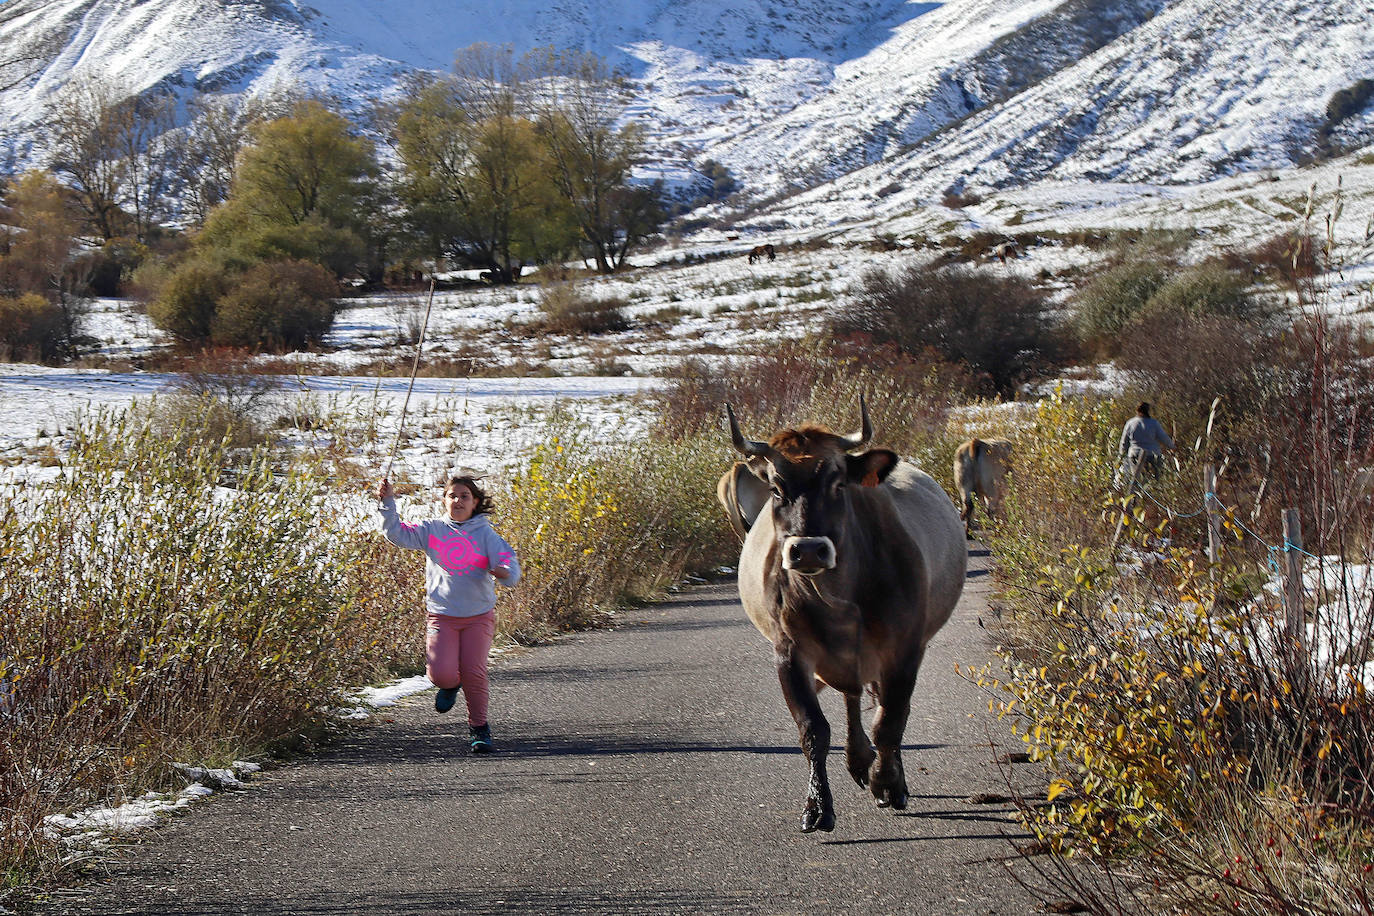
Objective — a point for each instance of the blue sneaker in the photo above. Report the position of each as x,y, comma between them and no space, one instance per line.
481,739
445,698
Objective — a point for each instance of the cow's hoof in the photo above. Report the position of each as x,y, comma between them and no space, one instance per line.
894,797
890,789
858,762
888,780
813,819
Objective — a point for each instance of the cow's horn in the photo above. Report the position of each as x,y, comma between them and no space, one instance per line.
865,427
747,446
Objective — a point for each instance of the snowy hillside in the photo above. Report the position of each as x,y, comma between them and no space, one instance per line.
1196,93
901,102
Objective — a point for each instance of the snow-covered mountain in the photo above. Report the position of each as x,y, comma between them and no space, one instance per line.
890,101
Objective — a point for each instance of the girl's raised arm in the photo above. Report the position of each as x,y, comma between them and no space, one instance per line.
395,530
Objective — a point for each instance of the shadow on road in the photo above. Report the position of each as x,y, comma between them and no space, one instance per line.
423,747
476,902
954,837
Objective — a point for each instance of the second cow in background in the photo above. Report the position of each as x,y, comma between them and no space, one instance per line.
980,469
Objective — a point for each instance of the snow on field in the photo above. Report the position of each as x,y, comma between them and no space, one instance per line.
39,404
708,309
1338,622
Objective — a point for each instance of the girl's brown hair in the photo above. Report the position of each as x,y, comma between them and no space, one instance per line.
483,502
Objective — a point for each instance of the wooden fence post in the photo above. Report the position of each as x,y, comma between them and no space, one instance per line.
1294,617
1209,502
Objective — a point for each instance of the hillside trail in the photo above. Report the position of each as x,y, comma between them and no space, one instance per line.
650,768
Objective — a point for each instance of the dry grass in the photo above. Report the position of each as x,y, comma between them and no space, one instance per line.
578,510
159,616
567,310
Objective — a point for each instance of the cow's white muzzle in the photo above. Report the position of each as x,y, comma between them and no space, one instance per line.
808,556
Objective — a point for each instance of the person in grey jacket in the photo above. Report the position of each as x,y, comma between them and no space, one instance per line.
464,559
1143,441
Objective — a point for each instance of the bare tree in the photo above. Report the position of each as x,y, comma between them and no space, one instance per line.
580,103
120,152
86,150
143,133
218,129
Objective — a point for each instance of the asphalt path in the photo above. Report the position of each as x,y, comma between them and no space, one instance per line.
651,768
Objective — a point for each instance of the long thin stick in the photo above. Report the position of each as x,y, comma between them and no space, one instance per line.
414,368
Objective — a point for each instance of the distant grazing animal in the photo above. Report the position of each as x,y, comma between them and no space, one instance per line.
743,495
849,570
1007,251
980,469
759,252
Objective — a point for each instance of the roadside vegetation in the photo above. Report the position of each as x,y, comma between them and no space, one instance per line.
165,599
1205,755
183,590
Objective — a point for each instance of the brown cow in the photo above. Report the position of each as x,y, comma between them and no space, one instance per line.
980,469
850,570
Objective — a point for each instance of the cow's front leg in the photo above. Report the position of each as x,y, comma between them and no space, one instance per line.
799,690
858,752
887,778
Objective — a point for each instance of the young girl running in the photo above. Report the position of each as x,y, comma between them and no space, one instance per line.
464,558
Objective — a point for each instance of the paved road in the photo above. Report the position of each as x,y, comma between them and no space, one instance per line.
647,769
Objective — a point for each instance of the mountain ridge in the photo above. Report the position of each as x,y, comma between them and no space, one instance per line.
933,98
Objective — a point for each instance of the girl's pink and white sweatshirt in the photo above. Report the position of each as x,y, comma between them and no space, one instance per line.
458,559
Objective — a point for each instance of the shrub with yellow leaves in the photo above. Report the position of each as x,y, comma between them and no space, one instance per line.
597,525
1194,758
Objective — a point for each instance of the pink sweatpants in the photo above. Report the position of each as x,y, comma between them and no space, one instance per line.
456,651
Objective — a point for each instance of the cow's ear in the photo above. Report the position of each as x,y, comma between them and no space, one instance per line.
872,467
758,466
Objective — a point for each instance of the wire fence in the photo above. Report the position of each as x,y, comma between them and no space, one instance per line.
1284,560
1210,500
